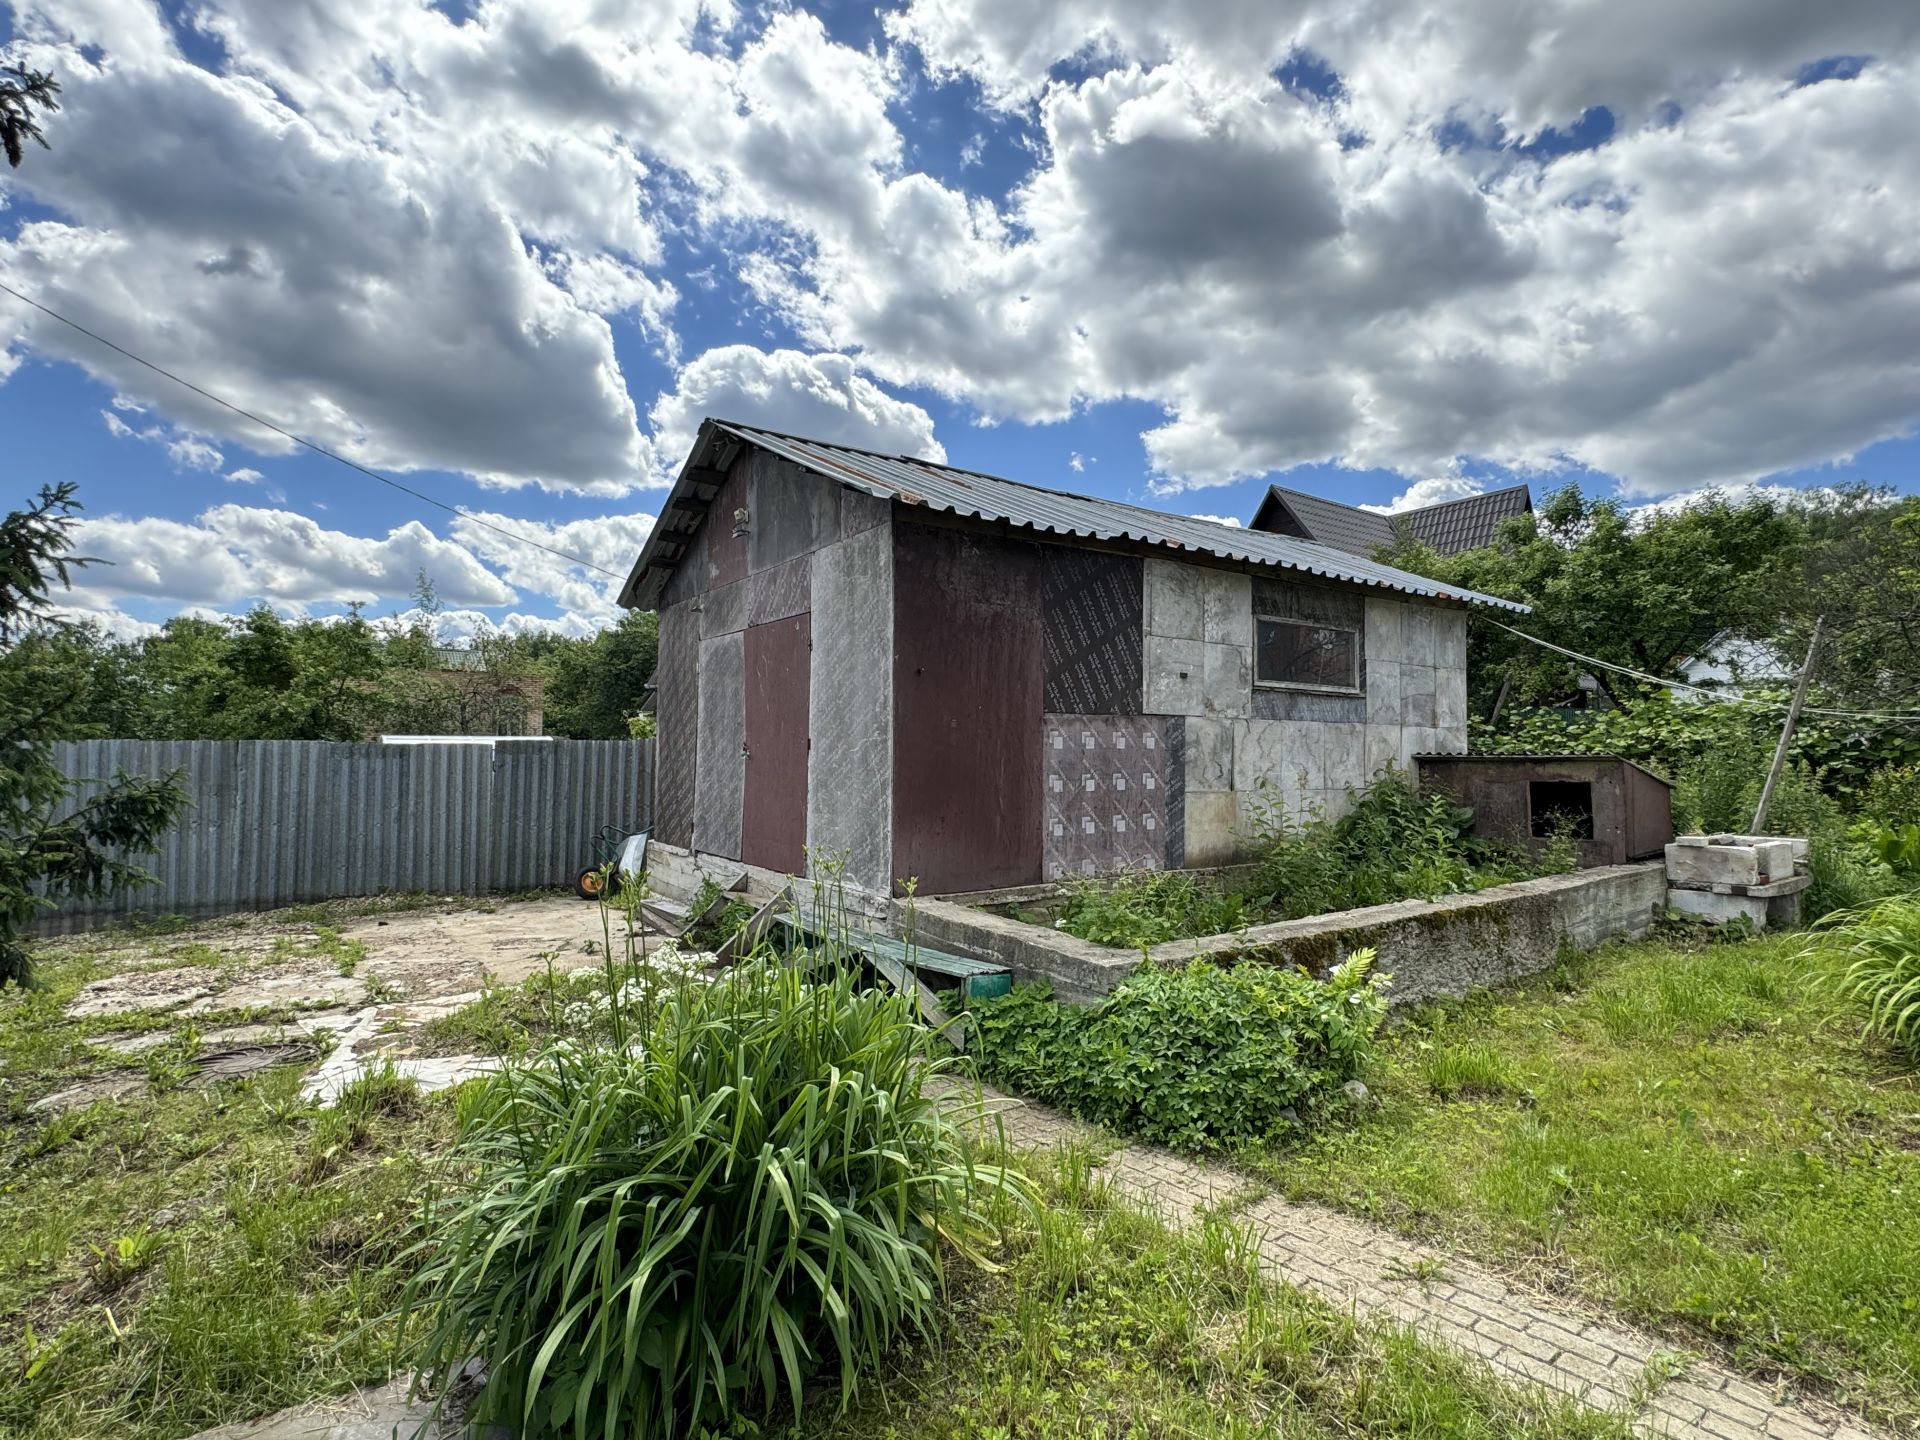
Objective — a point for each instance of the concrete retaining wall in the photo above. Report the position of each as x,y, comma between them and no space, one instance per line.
1431,949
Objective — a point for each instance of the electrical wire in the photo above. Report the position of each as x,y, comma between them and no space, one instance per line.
1717,696
265,424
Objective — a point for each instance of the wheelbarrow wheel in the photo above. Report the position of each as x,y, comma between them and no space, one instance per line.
592,881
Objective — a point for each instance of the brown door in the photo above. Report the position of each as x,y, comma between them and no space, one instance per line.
779,669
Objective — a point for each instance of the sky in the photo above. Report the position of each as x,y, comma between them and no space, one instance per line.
510,252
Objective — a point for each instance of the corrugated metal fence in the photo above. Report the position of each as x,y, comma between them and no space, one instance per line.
278,822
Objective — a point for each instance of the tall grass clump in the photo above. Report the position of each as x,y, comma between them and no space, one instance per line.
1876,954
747,1183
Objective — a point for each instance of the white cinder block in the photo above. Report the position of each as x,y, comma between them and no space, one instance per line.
1174,602
1719,908
1346,756
1383,690
1227,608
1209,754
1228,679
1175,676
1450,699
1386,625
1383,748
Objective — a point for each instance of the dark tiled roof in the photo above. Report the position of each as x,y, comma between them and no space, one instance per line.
1328,522
1450,526
915,482
1469,522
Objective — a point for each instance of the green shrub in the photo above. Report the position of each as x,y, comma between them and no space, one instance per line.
1147,907
1877,950
749,1182
1196,1056
1891,796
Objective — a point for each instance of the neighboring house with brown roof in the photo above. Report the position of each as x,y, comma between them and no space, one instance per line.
1449,527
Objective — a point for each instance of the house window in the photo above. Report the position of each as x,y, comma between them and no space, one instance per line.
1303,655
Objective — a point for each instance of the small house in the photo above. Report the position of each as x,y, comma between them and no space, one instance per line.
949,678
1449,526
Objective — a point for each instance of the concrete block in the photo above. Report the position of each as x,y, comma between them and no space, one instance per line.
1386,630
1719,909
1209,754
1174,602
1724,864
1383,692
1176,673
1417,695
1420,637
1226,608
1227,679
1383,748
1450,699
1345,752
1449,638
1211,832
1289,754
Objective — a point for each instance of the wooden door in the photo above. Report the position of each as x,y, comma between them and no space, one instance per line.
779,674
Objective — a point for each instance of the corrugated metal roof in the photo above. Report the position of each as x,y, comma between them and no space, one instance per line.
973,494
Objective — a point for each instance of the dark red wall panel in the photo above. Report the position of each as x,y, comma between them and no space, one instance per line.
779,670
967,786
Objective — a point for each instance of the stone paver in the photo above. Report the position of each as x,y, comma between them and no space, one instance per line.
1523,1338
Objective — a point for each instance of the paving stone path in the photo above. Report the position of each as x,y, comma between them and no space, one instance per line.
1524,1338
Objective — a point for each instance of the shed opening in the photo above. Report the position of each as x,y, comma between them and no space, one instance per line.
1555,805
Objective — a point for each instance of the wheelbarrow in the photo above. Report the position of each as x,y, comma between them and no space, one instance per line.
617,854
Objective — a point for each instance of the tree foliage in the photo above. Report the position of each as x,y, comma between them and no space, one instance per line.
54,843
263,676
21,89
1643,591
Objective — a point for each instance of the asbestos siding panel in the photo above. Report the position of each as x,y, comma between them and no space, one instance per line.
850,707
720,772
774,828
794,513
677,685
726,550
1106,793
968,693
1092,607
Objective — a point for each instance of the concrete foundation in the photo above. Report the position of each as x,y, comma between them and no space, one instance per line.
1448,947
1721,878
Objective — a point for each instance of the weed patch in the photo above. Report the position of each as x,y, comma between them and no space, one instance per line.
1198,1057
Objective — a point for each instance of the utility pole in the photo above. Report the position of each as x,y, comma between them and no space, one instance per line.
1786,732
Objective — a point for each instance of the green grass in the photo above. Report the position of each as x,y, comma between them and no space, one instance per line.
1105,1323
187,1257
1700,1138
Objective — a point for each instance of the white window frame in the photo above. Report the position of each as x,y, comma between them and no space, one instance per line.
1359,675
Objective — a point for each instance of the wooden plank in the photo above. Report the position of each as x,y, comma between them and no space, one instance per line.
937,1019
750,934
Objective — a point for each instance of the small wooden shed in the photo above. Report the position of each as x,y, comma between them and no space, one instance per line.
1619,811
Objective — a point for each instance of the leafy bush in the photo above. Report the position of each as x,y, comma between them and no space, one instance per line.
1148,907
746,1182
1196,1056
1879,946
1891,795
1393,843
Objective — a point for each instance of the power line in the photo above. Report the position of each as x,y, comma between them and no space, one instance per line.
1718,696
265,424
